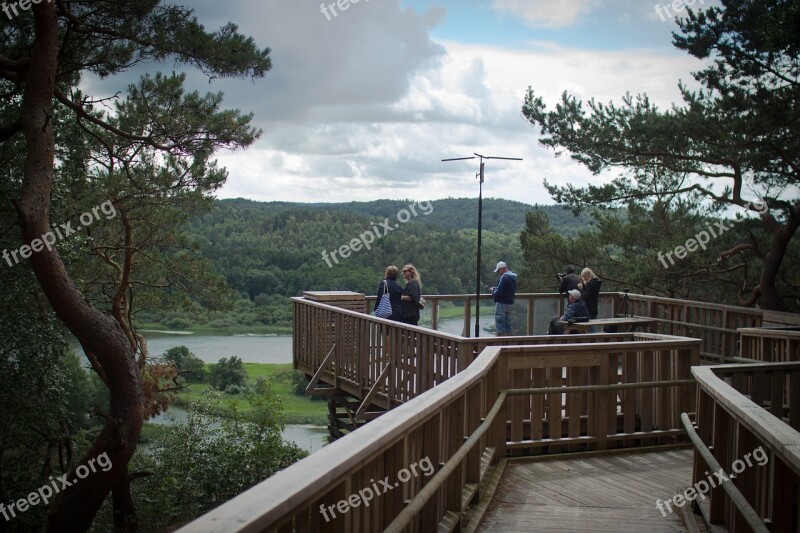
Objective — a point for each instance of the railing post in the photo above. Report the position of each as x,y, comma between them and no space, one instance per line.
530,324
467,316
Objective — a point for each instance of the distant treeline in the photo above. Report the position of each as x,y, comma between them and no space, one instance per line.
275,248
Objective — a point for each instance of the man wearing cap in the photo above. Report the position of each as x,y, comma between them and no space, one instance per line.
503,296
576,312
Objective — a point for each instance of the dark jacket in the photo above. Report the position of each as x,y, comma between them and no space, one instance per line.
506,288
395,292
409,309
568,282
589,295
576,312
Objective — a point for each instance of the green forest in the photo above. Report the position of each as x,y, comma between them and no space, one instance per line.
266,252
269,251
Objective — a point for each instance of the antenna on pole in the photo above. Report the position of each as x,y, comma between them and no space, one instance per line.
480,177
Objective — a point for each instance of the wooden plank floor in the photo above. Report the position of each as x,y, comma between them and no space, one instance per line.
609,493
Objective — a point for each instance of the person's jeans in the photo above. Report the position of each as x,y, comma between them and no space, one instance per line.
556,327
502,318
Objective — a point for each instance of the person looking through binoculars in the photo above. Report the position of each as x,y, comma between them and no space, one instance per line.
568,280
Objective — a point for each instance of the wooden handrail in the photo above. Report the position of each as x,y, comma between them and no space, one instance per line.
781,437
429,490
596,388
742,505
731,423
715,324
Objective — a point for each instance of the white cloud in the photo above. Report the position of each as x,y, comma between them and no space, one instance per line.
546,13
468,102
366,105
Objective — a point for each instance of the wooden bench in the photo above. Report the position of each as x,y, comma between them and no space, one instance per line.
624,324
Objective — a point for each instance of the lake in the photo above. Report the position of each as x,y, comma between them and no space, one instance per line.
308,437
274,349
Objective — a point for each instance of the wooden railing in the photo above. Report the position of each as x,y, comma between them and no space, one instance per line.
537,308
748,415
769,345
568,393
365,355
716,325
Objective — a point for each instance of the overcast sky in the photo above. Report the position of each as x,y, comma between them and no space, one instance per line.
364,103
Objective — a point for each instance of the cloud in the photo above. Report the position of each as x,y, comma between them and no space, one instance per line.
362,57
366,105
546,13
469,101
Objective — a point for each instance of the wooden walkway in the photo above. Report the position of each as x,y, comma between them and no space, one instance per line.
609,493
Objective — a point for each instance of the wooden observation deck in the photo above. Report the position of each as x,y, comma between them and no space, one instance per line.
440,432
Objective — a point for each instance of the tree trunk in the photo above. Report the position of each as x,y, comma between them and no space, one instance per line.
770,298
124,512
78,498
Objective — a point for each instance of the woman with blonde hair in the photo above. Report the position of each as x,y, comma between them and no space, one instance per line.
412,292
590,291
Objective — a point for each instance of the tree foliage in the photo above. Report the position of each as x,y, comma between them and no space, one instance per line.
272,249
228,373
190,367
733,144
150,158
207,459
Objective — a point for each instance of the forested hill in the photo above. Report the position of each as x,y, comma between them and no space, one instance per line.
505,216
276,248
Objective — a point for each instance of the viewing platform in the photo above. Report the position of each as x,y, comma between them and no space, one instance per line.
440,432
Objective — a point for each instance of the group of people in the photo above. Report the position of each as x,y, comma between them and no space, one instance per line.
404,299
582,294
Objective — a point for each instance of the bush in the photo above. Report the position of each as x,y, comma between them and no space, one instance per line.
228,372
192,368
203,461
178,322
235,390
299,383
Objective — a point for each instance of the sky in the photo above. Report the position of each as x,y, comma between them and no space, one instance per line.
364,103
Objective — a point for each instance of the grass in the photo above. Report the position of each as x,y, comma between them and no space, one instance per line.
450,311
296,409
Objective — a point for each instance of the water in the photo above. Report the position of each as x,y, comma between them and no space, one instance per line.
454,326
273,349
308,437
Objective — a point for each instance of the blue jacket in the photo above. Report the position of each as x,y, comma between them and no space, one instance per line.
576,312
506,288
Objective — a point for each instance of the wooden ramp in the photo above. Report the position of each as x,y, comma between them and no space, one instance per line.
608,493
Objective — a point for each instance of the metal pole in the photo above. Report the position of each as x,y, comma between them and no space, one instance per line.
478,268
480,217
